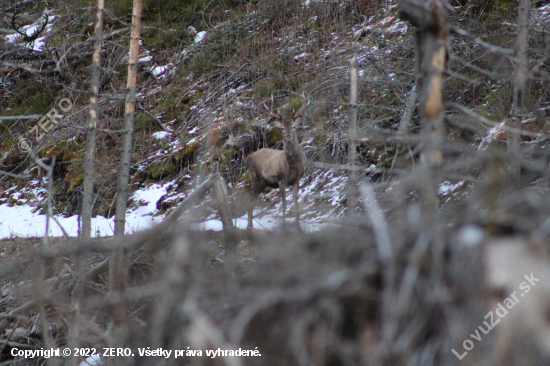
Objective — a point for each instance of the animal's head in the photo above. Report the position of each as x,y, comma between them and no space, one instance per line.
289,132
231,143
289,124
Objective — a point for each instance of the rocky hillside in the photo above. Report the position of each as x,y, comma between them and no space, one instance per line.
211,69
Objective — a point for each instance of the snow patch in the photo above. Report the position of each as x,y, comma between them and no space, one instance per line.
93,360
161,135
446,187
24,221
200,37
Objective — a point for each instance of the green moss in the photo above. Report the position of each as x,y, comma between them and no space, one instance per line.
33,99
161,169
26,196
171,96
265,88
201,63
187,153
62,152
13,202
245,178
291,107
273,136
165,36
76,181
226,156
43,151
58,151
122,8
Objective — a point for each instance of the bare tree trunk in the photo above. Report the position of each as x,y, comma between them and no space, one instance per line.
352,136
89,175
429,19
221,197
117,268
87,196
49,175
40,285
431,31
519,85
407,113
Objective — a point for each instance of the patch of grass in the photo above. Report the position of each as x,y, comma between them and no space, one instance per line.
201,63
145,122
31,99
289,109
265,88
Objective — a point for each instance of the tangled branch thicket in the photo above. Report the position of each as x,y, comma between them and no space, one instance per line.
395,282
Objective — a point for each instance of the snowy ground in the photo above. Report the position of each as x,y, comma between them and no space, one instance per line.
24,220
318,209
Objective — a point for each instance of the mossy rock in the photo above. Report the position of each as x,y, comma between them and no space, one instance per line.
13,202
62,152
187,153
43,151
70,155
162,169
273,136
27,196
76,181
58,151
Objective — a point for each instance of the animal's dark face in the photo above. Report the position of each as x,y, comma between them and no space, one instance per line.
231,143
289,133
